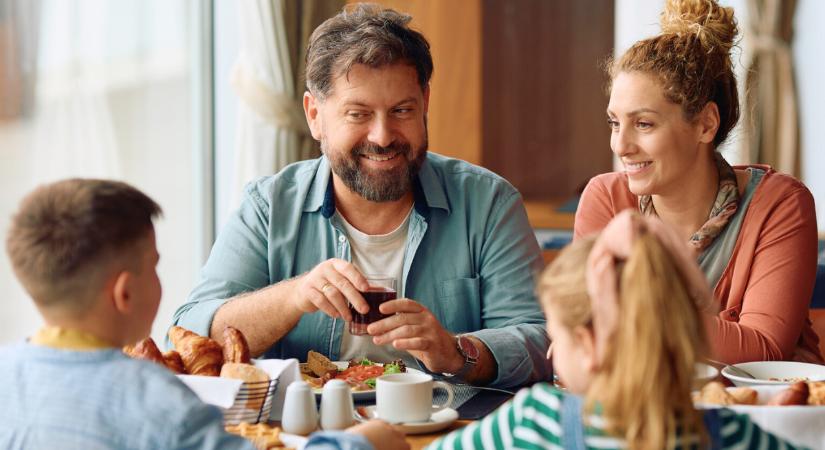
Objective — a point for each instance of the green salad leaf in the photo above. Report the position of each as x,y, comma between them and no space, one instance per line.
370,382
392,368
365,362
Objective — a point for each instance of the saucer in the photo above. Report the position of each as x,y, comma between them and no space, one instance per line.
438,421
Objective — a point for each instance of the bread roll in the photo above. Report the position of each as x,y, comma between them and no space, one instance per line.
256,382
245,372
714,393
744,396
796,394
816,393
200,355
235,347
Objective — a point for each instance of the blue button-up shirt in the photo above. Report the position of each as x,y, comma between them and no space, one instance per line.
470,258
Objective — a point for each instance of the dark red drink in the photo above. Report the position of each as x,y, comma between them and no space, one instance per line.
374,296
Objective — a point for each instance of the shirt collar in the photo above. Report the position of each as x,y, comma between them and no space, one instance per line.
68,339
427,191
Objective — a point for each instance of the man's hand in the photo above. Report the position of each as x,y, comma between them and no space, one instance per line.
381,435
330,287
412,327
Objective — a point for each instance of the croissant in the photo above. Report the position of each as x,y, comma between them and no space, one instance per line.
235,347
145,349
173,361
200,355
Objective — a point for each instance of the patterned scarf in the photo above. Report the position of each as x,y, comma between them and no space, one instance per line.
724,207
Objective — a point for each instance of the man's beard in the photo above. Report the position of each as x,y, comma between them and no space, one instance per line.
377,185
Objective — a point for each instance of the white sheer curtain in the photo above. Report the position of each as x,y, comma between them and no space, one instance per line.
103,90
769,104
268,79
73,132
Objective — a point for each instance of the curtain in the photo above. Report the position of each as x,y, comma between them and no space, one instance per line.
73,129
771,128
268,78
19,24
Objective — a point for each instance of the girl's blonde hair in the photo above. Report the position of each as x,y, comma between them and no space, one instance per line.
644,382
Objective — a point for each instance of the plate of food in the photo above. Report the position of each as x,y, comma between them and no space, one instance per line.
360,374
795,413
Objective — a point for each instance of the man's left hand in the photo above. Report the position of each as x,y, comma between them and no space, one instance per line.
412,327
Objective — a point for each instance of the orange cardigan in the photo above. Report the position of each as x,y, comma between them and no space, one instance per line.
764,292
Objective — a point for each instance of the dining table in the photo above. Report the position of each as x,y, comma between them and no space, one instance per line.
419,441
473,403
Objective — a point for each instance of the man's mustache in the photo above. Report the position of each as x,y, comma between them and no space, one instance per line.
396,147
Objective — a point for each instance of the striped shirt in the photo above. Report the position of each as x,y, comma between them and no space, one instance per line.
532,420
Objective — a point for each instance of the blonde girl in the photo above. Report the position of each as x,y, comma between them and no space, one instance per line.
623,313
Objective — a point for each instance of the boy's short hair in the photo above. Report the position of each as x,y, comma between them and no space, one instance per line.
69,235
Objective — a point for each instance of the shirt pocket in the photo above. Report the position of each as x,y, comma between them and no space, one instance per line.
459,301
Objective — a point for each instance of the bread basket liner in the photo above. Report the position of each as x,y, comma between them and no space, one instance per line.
222,392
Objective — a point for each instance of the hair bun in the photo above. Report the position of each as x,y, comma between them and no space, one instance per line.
713,25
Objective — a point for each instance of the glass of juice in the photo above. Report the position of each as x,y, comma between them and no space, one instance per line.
381,289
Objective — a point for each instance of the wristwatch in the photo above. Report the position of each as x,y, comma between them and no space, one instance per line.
469,351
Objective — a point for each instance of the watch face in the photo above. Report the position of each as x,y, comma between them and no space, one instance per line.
467,347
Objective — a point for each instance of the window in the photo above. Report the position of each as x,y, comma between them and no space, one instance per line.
94,88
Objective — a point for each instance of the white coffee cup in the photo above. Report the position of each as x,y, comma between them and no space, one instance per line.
408,397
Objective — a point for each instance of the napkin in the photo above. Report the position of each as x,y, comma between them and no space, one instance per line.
217,391
221,392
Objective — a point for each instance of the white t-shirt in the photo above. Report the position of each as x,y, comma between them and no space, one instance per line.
383,255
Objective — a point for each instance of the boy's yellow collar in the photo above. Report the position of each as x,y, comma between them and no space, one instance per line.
68,339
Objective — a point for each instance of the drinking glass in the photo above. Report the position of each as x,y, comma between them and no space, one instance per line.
380,290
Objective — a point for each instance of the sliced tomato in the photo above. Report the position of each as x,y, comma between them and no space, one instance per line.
360,373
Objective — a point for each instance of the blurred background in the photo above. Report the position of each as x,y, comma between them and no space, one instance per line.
190,99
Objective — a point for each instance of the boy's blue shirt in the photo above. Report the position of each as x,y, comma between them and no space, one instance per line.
101,399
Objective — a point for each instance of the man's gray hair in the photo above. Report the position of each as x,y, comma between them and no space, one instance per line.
366,34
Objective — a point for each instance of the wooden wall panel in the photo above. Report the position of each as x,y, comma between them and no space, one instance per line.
543,99
453,28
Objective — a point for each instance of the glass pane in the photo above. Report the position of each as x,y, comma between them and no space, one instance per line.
100,89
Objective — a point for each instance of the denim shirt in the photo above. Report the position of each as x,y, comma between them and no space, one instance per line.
470,258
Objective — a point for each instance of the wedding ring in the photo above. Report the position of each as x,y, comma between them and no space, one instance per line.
325,286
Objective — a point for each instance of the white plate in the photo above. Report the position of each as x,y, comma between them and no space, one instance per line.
438,421
765,370
802,425
357,395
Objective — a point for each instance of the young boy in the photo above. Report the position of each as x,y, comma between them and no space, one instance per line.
85,252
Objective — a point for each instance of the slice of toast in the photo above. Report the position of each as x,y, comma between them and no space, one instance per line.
320,365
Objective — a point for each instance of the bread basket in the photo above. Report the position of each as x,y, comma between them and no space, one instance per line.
252,404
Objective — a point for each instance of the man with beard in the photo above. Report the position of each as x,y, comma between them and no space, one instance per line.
454,236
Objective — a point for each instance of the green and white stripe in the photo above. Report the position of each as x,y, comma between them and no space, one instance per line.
532,420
